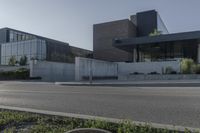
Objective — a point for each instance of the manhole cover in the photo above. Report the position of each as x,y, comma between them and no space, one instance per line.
88,130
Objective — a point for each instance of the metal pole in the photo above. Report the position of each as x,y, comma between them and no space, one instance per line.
90,77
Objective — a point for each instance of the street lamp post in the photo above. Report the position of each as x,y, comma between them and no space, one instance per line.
90,75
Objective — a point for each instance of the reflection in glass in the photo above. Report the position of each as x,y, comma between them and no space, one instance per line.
31,49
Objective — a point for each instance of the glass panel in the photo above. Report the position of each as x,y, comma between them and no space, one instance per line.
11,36
39,49
14,49
7,60
15,36
19,37
161,25
26,37
28,58
44,50
17,58
23,37
27,48
2,50
2,60
8,49
34,48
21,49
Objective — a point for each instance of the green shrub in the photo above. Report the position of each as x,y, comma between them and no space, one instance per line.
155,33
169,70
23,61
187,66
21,73
12,61
197,70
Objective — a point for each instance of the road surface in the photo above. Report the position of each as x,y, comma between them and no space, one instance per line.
165,105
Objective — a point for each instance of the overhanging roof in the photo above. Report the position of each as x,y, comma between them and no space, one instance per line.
132,42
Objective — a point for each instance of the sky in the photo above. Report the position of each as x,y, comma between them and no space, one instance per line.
72,20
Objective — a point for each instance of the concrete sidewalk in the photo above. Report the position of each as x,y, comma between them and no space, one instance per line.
150,83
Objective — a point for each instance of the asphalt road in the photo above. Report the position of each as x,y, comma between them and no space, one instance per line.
165,105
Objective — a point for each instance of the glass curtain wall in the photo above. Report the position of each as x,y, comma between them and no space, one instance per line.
31,49
168,51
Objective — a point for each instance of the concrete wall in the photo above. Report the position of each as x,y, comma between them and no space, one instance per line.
146,22
147,67
121,70
52,71
104,34
100,69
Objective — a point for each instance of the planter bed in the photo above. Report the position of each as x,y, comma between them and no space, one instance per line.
146,77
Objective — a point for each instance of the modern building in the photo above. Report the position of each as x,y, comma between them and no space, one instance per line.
103,39
144,37
16,44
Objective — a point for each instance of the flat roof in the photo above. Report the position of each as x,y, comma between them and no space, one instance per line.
131,42
37,36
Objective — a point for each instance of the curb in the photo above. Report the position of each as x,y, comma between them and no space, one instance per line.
145,84
89,117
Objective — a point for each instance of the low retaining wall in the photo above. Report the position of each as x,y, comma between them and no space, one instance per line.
85,67
158,77
52,71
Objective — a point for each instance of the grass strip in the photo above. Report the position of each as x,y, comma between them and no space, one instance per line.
23,122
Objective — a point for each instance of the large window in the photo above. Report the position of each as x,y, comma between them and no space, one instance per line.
31,49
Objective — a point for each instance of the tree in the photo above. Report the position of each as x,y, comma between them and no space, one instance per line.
12,61
23,61
187,66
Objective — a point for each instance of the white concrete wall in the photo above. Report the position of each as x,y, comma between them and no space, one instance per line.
147,67
52,71
119,69
99,68
11,68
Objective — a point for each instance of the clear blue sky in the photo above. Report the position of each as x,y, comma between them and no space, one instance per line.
72,20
